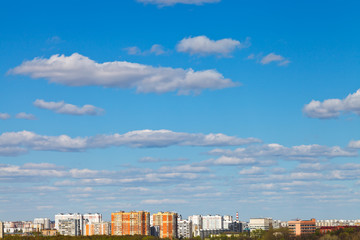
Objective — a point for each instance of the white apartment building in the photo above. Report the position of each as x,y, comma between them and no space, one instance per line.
210,222
196,223
69,227
260,223
227,221
184,228
337,222
41,224
83,219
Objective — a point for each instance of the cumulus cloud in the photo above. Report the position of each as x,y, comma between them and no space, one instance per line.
354,144
4,116
272,57
252,171
163,3
202,45
155,49
332,108
277,151
27,116
163,201
25,140
156,160
78,70
66,108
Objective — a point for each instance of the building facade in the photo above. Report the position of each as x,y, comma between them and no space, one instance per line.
69,227
41,224
196,222
100,228
167,222
260,223
210,222
130,223
300,227
70,216
1,230
184,229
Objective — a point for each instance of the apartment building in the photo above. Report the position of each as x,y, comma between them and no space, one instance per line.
167,222
40,224
210,222
184,229
69,227
130,223
196,221
299,227
98,228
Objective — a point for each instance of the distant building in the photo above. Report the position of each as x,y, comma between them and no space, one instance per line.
167,222
210,222
49,232
130,223
40,224
196,221
98,228
70,216
324,230
1,229
69,227
300,227
260,223
155,231
227,220
184,229
235,226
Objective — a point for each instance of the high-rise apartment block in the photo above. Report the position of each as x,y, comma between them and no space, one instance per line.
130,223
69,227
184,228
196,222
210,222
299,227
167,222
101,228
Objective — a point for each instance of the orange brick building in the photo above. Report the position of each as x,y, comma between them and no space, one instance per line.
167,222
130,223
300,227
92,229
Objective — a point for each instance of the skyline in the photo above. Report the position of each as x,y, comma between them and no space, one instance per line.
214,106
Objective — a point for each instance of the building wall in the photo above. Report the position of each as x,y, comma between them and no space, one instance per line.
212,222
1,229
196,221
102,228
167,222
184,229
260,223
130,223
300,227
69,227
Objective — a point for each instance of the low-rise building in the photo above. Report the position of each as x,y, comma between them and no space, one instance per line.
260,223
49,232
300,227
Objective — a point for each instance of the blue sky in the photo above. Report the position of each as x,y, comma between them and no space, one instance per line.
194,106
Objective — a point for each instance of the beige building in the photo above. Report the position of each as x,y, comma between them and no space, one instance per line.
1,229
299,227
167,222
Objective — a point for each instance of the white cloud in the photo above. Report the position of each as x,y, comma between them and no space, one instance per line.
252,171
354,144
66,108
78,70
277,151
225,160
332,108
155,49
155,160
163,3
202,45
25,140
272,57
163,201
4,116
27,116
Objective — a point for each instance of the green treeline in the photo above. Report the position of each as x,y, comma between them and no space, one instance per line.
272,234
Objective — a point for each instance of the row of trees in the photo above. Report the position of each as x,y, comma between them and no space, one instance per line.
272,234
